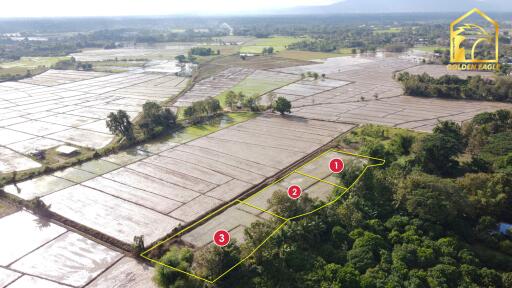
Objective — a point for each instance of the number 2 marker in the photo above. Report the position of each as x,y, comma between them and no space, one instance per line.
294,192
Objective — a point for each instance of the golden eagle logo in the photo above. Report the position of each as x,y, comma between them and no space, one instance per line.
472,34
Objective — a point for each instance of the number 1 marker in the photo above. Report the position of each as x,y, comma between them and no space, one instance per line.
336,165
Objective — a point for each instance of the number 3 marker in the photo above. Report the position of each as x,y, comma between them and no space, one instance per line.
336,165
294,192
221,238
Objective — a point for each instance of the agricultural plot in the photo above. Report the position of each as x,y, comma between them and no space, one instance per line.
307,91
217,65
70,107
127,273
38,253
262,81
316,181
328,66
306,55
32,62
213,86
58,77
325,186
151,193
372,96
402,111
440,70
161,51
279,43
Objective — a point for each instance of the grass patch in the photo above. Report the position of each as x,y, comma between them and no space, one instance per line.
110,63
20,69
196,131
54,159
6,208
388,30
224,49
345,51
32,62
307,55
429,48
253,86
371,132
278,42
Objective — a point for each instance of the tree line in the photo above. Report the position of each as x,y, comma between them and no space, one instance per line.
450,86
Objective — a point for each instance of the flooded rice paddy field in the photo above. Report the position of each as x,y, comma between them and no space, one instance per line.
60,107
153,193
372,96
39,253
213,86
157,51
154,188
241,214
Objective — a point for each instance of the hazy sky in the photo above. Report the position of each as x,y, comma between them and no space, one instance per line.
49,8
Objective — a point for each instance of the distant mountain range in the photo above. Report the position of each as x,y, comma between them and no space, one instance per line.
402,6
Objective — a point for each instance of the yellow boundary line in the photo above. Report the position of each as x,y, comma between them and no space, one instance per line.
285,220
261,209
321,180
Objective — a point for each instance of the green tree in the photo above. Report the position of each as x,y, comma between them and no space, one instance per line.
443,275
430,198
180,258
231,99
155,119
437,152
507,279
335,276
489,194
181,58
119,123
282,105
362,259
213,261
402,143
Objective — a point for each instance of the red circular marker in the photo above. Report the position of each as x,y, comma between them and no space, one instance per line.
336,165
221,238
294,192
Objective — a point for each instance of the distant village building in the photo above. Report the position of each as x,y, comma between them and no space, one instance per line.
187,69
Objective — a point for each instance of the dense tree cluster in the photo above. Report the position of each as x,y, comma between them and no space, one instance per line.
450,86
419,221
201,110
156,119
282,105
203,51
236,101
119,124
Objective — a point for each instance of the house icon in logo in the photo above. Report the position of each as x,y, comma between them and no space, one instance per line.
467,40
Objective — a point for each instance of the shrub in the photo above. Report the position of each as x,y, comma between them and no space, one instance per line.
201,109
282,105
138,245
156,119
119,123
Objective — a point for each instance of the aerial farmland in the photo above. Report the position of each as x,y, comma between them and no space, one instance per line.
122,162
